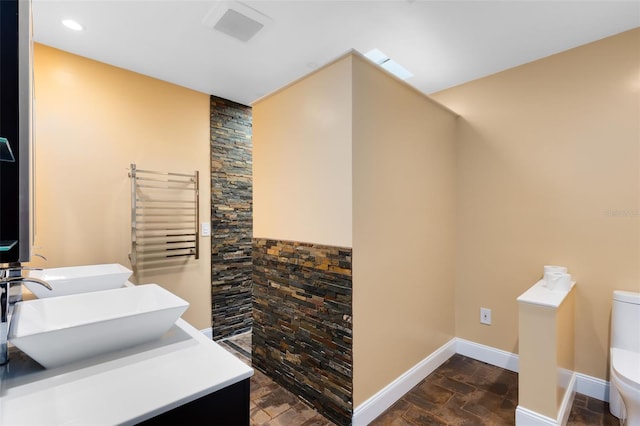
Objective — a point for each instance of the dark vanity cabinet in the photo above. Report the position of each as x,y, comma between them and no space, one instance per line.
15,130
228,406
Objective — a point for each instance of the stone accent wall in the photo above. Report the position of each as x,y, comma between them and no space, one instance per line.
231,217
302,332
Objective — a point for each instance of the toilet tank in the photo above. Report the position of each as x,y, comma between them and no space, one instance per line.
625,320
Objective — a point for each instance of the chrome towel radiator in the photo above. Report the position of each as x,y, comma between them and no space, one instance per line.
164,216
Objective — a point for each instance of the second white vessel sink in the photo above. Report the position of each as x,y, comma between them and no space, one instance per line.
60,330
78,279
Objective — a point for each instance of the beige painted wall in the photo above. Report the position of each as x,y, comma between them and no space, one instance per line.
302,159
548,162
351,125
92,121
403,227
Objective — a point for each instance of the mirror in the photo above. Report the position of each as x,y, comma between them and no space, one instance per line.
15,130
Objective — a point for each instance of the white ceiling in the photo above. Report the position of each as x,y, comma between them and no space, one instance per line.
443,43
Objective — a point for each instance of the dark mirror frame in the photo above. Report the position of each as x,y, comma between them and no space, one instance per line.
15,127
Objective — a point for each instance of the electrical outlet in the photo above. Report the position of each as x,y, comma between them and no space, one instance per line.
205,229
485,316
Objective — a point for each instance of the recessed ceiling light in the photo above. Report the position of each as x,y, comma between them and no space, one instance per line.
72,25
388,64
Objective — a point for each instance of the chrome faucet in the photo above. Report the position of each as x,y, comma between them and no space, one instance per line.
11,280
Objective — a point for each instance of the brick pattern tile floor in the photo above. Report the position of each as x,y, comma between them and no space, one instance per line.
461,392
270,403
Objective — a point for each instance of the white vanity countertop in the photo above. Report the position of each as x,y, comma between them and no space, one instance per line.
124,387
538,294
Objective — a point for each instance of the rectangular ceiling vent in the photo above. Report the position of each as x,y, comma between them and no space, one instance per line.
236,20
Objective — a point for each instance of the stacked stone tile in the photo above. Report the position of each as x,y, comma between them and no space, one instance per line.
231,217
302,331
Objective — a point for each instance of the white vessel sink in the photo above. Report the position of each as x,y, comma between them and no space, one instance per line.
60,330
78,279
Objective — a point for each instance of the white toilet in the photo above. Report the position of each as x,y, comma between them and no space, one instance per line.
624,393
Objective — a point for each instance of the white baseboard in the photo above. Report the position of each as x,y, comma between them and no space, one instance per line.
567,401
493,356
592,386
207,332
390,394
526,417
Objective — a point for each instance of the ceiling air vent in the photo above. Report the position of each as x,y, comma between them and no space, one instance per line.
235,19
